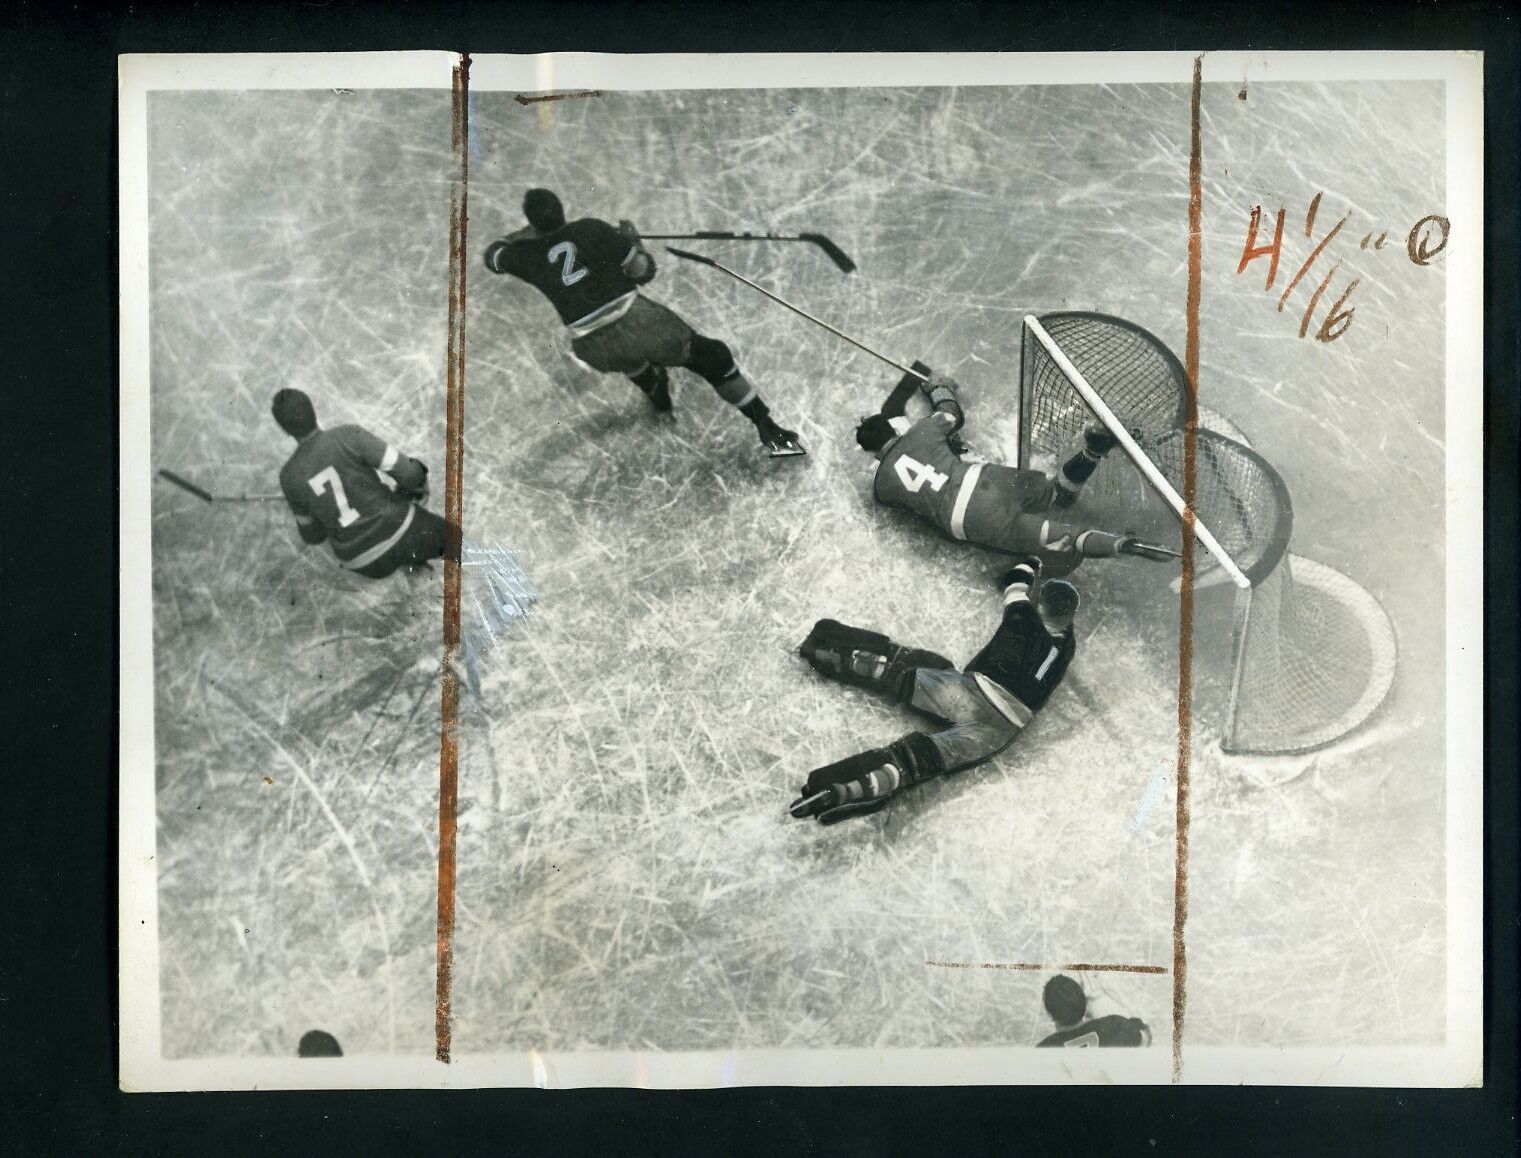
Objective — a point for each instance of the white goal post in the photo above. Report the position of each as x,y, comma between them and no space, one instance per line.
1138,456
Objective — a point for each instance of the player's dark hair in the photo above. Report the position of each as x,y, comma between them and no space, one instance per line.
293,411
1059,599
543,210
1064,1000
875,432
318,1043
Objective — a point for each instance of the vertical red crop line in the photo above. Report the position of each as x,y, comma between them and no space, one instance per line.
1186,603
454,470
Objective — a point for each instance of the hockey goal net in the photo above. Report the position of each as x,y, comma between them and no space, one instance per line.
1311,653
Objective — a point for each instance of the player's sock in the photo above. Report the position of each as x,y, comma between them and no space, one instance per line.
656,384
1077,470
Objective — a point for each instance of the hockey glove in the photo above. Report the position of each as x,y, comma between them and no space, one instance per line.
626,227
942,391
1130,545
419,493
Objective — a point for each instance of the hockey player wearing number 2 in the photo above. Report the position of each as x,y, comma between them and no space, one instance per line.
982,708
592,273
1002,508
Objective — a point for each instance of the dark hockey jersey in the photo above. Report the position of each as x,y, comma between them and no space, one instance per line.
348,486
580,267
1102,1031
980,502
1023,657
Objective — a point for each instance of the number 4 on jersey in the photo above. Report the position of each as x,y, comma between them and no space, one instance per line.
913,474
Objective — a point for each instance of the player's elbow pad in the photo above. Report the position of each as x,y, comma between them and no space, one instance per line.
493,256
640,267
311,534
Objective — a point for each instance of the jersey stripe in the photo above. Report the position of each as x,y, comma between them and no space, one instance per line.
390,458
365,558
963,498
604,315
1040,672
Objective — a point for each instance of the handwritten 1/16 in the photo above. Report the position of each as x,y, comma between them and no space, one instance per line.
1426,239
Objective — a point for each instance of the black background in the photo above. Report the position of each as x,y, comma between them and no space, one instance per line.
58,608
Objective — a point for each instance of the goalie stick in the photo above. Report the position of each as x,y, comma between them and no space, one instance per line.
206,496
701,260
831,250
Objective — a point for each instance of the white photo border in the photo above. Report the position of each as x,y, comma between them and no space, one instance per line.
1457,1063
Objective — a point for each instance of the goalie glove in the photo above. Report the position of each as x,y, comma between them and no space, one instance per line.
863,784
1130,545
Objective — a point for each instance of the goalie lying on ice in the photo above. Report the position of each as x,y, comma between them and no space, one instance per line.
1003,508
982,708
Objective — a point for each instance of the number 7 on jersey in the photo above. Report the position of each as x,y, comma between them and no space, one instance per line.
327,478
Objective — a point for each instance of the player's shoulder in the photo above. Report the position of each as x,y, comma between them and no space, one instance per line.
1115,1027
350,438
590,225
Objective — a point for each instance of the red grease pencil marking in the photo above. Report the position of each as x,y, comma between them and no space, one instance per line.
524,99
1186,603
454,461
1027,967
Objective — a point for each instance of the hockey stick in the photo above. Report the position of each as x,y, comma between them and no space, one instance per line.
701,260
205,495
831,250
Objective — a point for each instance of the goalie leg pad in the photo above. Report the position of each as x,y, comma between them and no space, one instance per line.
848,654
866,659
862,784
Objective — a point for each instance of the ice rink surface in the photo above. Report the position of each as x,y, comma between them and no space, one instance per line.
628,874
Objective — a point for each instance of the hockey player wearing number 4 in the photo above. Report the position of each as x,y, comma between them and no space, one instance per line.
592,273
1002,508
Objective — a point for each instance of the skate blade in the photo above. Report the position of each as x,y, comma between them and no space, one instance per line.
787,449
807,805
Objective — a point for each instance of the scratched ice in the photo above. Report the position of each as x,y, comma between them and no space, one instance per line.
642,885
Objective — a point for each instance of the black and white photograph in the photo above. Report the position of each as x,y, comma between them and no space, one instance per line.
698,571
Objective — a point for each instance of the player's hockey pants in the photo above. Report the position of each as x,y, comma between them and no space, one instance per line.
974,730
425,539
650,334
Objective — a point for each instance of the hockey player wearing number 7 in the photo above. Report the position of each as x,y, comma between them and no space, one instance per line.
592,273
356,491
981,708
1002,508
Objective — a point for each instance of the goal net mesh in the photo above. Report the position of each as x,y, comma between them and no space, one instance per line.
1312,654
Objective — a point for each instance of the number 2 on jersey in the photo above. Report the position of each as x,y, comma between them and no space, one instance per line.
565,253
913,474
328,478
